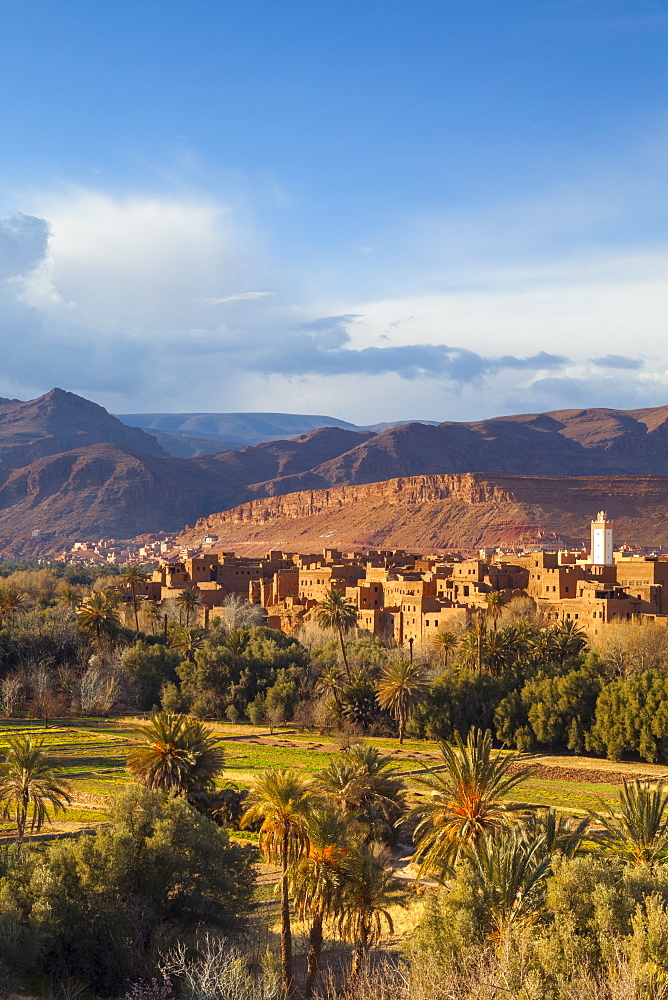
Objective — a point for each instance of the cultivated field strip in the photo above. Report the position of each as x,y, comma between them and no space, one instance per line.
91,753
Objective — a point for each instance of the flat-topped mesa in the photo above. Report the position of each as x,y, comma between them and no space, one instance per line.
468,488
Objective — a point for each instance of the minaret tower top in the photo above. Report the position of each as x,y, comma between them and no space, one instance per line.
601,540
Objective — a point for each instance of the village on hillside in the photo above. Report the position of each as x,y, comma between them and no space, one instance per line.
407,597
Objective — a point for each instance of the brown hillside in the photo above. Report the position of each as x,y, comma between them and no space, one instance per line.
60,421
69,468
108,491
426,513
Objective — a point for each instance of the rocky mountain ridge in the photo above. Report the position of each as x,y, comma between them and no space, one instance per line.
431,513
60,421
68,468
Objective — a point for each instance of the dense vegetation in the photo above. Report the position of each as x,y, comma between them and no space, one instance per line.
65,648
522,900
532,903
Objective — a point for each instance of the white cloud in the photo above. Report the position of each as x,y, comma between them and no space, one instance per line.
139,264
116,298
239,297
596,304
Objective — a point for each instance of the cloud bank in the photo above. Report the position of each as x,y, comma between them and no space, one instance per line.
152,303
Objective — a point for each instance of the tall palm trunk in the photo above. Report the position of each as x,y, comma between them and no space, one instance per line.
402,727
343,653
314,949
134,608
360,954
21,820
287,974
480,634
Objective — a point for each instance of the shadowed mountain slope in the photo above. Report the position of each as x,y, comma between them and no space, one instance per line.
106,490
69,468
60,421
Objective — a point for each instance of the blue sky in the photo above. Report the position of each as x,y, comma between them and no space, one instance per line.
444,209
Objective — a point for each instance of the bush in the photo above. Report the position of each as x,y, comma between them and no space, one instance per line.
217,677
149,668
552,711
93,908
458,701
601,933
632,717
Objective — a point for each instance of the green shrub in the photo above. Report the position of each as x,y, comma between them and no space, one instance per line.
94,907
632,717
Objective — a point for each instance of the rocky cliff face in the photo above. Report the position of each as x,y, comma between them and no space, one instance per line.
427,513
414,490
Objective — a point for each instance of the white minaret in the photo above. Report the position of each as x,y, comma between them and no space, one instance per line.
601,540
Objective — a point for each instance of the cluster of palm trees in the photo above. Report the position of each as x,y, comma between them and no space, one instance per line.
99,617
468,814
400,686
329,834
496,649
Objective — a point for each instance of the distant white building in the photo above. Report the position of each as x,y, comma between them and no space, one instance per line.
601,541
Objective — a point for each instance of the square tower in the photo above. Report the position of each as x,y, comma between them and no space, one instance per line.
601,540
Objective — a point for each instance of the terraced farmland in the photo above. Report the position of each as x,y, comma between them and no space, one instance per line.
90,754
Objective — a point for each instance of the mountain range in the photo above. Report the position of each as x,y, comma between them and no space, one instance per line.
189,434
69,468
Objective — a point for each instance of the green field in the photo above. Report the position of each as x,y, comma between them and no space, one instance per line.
90,754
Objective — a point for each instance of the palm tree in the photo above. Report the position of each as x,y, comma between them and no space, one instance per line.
636,833
70,597
187,601
480,632
236,640
152,614
559,833
511,871
468,648
317,881
366,789
27,783
543,646
498,651
568,639
400,690
281,800
445,641
176,753
520,637
132,576
495,601
12,601
466,800
98,616
338,612
359,703
367,895
329,683
185,640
